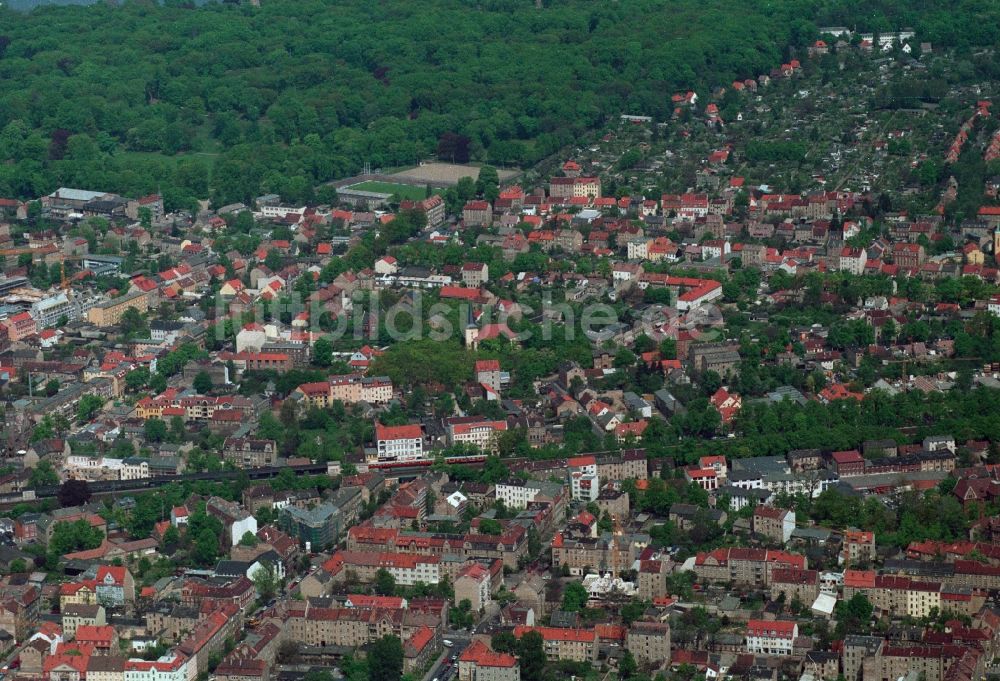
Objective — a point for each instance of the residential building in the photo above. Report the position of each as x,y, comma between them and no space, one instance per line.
249,453
488,373
577,645
20,326
569,187
433,207
475,274
795,584
477,214
399,443
706,478
908,255
649,642
651,579
585,483
774,523
316,527
858,548
406,568
114,586
518,495
314,625
480,663
75,615
477,431
853,260
235,519
473,583
604,554
746,567
106,667
771,637
109,313
171,667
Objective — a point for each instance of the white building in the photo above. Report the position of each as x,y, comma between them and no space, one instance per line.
399,443
171,667
715,248
584,486
47,311
812,483
257,566
409,568
624,272
584,483
994,304
386,265
771,637
241,527
272,212
698,296
516,496
134,468
376,389
476,431
251,338
853,260
637,250
601,587
234,516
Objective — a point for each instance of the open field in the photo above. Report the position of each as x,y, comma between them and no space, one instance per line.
448,173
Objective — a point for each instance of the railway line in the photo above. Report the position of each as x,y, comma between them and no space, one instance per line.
104,487
99,488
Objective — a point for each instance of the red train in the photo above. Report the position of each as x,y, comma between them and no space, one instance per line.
427,463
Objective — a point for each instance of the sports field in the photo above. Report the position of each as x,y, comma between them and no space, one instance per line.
403,191
449,173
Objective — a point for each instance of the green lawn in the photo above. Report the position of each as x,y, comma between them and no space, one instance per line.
403,191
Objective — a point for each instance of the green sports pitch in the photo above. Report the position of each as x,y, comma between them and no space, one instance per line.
403,191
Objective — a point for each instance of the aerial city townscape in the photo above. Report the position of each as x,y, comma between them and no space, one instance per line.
635,340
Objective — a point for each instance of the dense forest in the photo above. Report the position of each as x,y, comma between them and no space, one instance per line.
238,100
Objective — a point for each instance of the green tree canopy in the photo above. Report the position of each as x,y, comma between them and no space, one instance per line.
385,659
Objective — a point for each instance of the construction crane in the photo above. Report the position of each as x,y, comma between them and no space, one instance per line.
63,281
24,250
616,535
5,252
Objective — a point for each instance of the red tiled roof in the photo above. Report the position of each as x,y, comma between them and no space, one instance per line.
460,293
407,432
859,579
479,654
771,628
850,456
558,634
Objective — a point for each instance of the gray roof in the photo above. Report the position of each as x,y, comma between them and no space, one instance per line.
869,643
761,464
232,568
349,192
811,533
882,479
789,392
551,489
312,516
919,568
76,194
758,493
